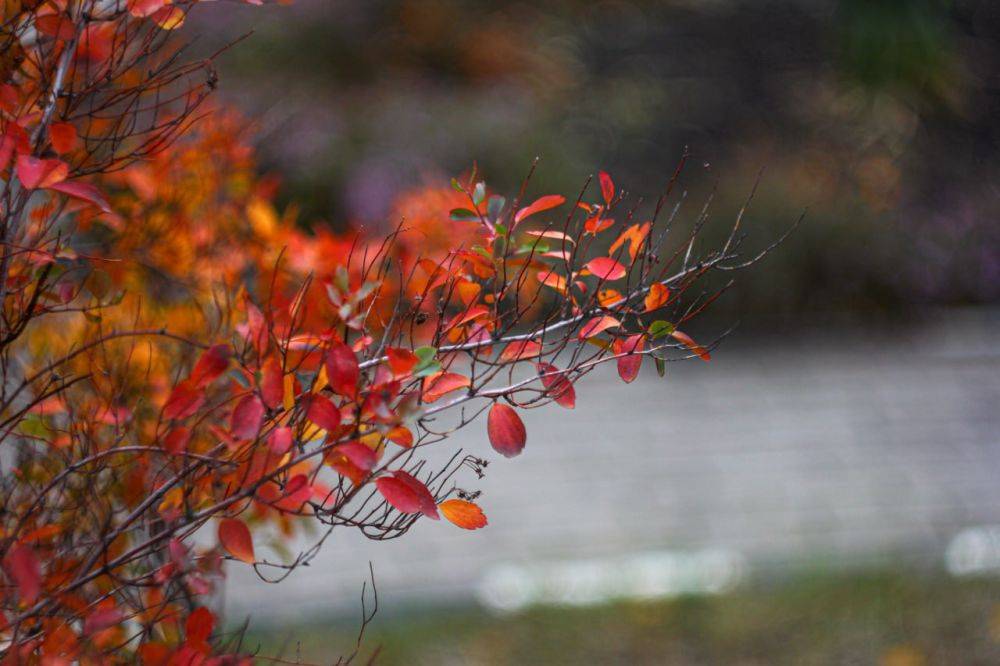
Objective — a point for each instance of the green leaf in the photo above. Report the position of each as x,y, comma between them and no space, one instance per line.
463,215
455,185
426,363
661,366
501,229
425,353
538,247
660,328
495,206
479,193
482,251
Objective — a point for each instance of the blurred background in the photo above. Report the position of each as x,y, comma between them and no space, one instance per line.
826,490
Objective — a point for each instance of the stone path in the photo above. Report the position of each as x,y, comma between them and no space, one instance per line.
833,445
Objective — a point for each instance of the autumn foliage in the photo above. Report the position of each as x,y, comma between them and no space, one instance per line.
181,357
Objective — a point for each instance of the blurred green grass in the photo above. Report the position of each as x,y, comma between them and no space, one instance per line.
877,617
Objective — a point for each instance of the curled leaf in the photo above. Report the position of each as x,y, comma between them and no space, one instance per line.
686,340
657,297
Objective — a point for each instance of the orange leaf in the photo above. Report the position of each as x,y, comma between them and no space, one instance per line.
598,325
547,202
506,430
234,535
441,383
466,515
401,435
553,280
635,235
608,297
686,340
519,350
657,297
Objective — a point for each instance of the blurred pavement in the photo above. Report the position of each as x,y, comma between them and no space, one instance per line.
836,446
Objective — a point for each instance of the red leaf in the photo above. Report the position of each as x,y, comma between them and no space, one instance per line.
234,535
541,204
184,400
607,187
358,454
83,191
212,363
519,350
401,361
22,566
342,370
199,625
558,386
101,619
280,440
35,173
407,494
272,383
628,366
247,417
596,224
63,136
597,325
686,340
322,412
466,515
177,440
441,383
606,268
506,430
